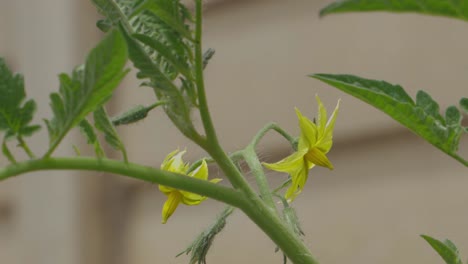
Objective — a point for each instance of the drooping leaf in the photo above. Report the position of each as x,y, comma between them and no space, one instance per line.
103,123
15,114
88,131
89,87
448,8
422,117
447,250
135,114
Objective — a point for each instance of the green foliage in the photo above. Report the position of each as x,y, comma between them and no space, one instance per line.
160,44
89,87
449,8
464,105
88,130
422,116
15,116
446,249
104,124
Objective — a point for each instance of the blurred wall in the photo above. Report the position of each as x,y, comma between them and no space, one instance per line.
388,186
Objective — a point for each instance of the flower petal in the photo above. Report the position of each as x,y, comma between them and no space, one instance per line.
309,132
322,116
299,179
173,200
174,162
326,140
316,156
289,164
166,189
201,172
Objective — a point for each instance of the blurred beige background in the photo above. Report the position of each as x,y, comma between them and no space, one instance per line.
388,186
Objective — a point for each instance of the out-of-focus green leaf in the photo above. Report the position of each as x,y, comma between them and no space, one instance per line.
103,123
15,116
91,137
448,8
89,87
422,117
447,250
464,105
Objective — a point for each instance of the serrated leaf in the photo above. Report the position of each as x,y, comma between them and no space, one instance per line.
448,8
15,117
464,105
103,123
420,117
141,61
167,11
447,250
88,131
88,88
162,49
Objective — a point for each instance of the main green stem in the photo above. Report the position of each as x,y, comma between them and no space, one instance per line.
267,219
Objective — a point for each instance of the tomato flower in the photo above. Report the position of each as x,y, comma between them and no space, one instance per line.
174,163
315,141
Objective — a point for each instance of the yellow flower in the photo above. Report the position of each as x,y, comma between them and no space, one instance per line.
314,143
174,163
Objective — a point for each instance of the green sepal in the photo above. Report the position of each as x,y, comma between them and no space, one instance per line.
104,124
448,8
15,116
446,249
89,87
88,130
421,117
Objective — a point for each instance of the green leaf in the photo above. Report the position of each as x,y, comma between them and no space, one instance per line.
447,250
464,105
177,62
89,87
88,131
448,8
422,117
15,117
167,11
103,123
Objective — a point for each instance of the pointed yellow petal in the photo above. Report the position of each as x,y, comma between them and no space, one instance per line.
322,116
326,140
289,164
166,164
299,179
201,172
189,198
173,200
316,156
308,131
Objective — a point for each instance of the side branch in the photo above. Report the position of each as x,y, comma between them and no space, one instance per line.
145,173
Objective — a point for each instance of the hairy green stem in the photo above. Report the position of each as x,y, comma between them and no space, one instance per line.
460,159
257,170
275,127
145,173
